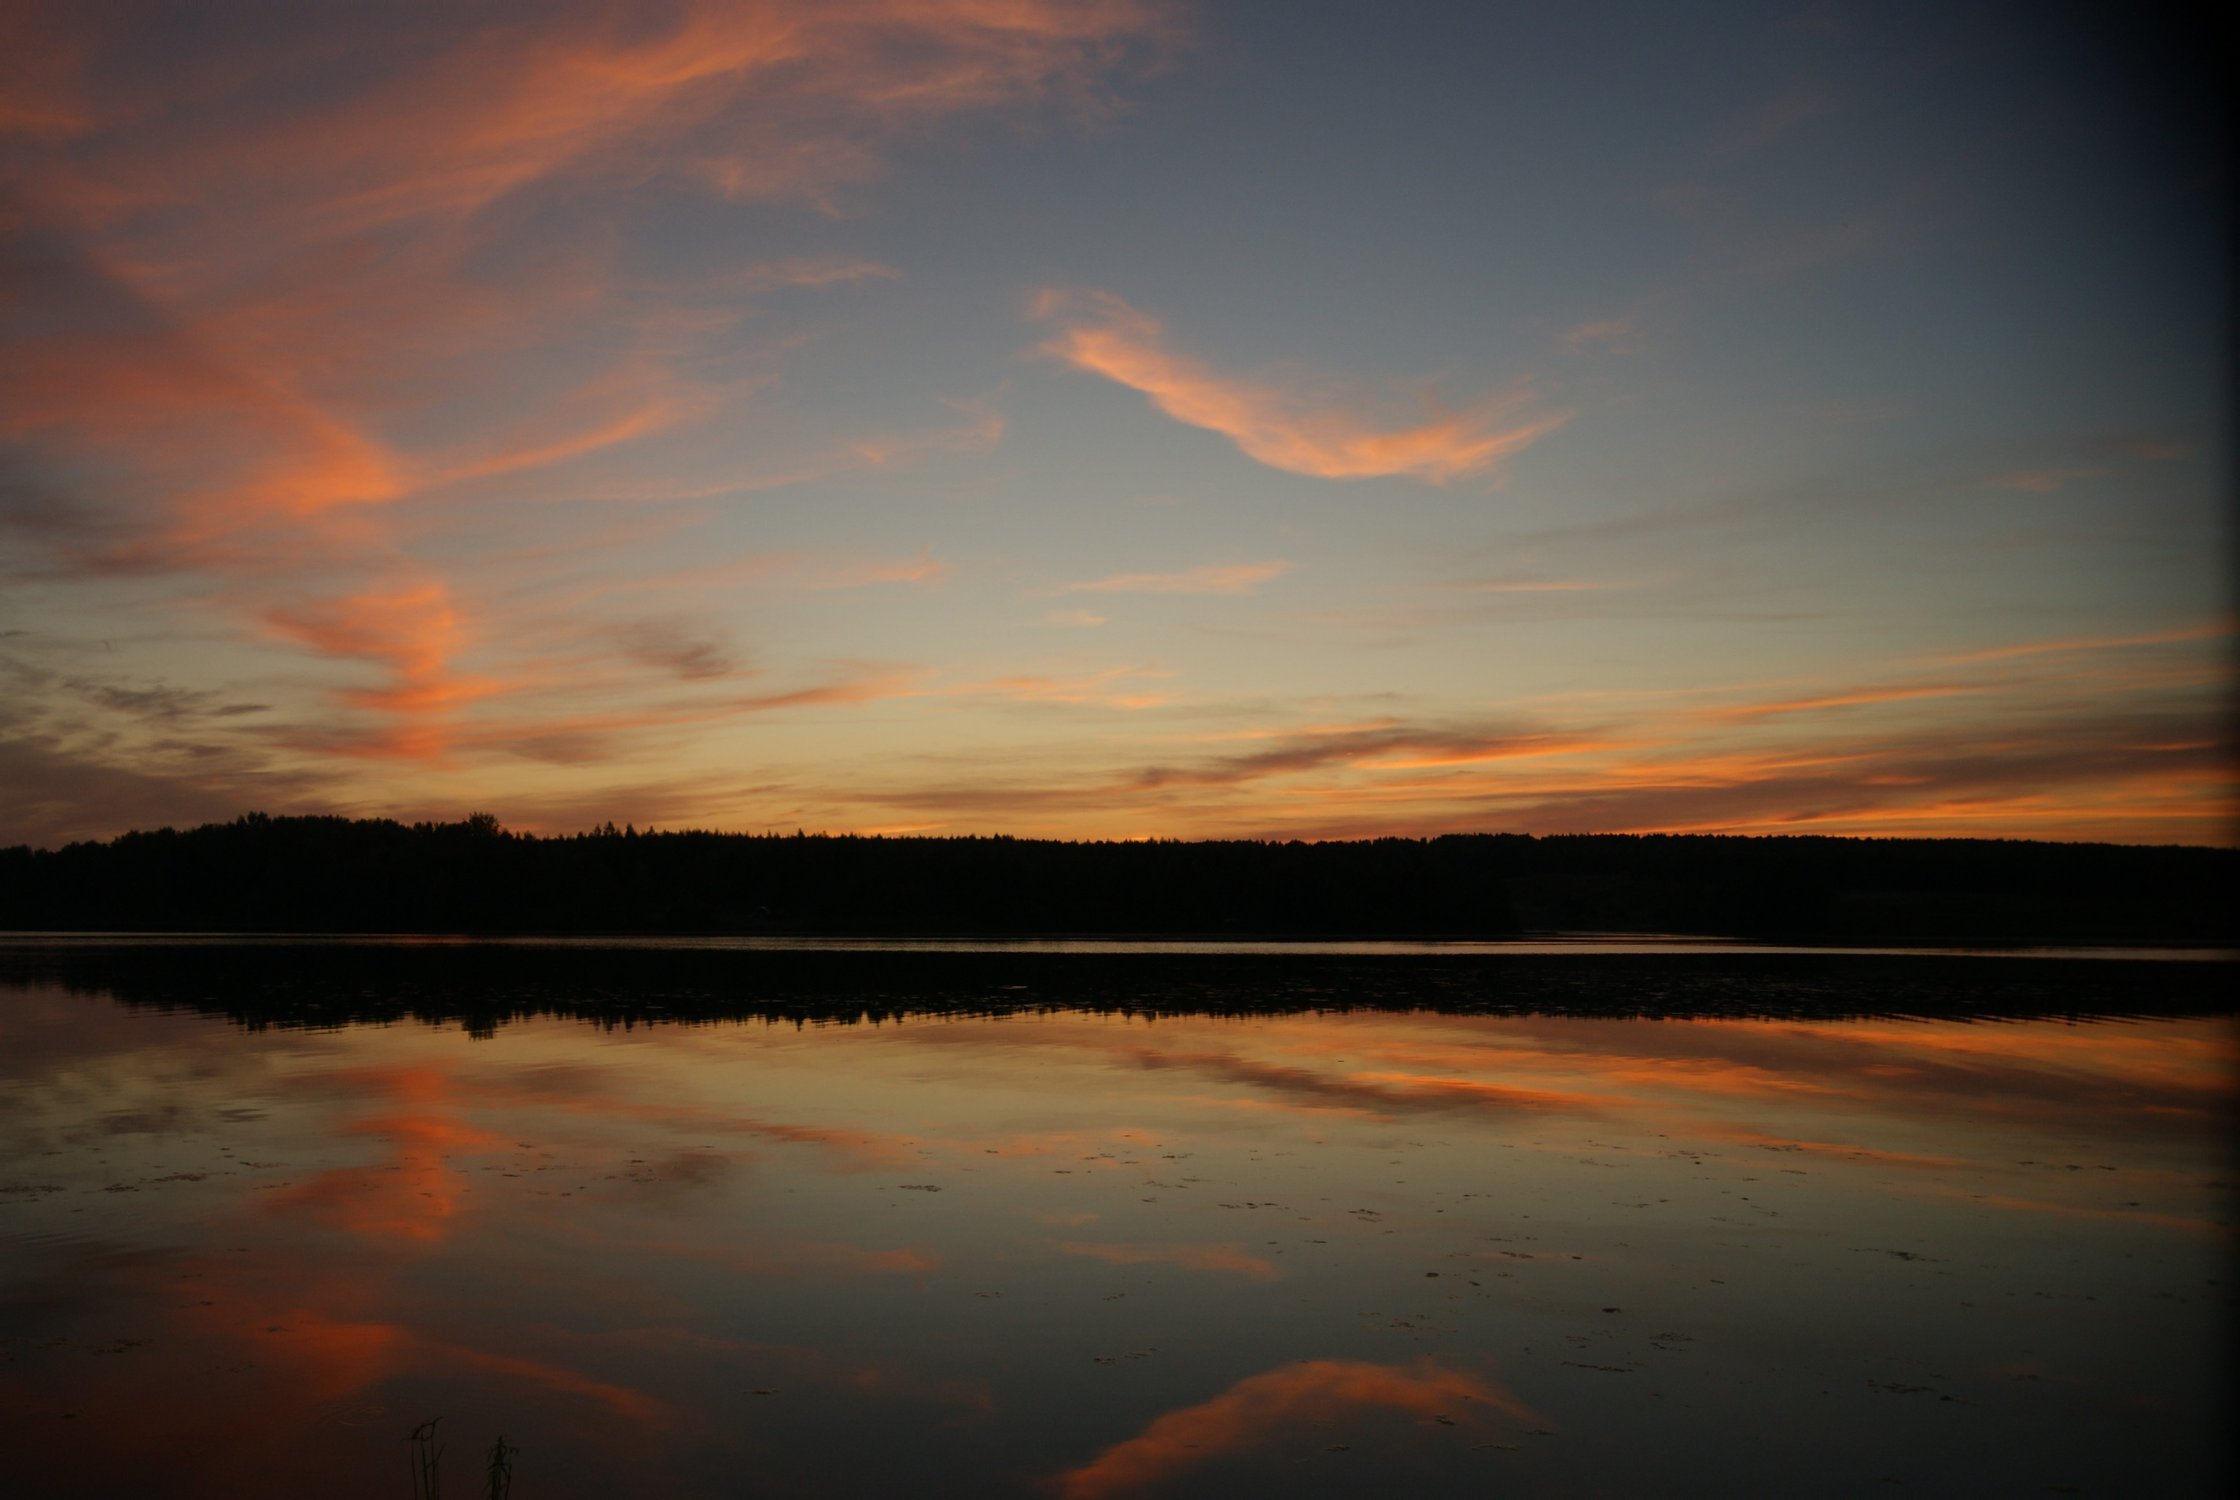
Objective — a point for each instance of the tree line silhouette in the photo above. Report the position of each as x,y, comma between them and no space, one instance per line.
330,874
484,987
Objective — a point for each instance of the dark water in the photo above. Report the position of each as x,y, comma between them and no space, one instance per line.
1062,1225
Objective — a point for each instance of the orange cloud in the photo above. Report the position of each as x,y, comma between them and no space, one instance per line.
772,99
1214,578
773,571
1091,689
864,687
1296,430
1382,749
2208,630
2135,768
2042,481
1255,1411
1612,332
1851,699
425,728
652,415
1535,586
923,567
292,328
414,632
152,401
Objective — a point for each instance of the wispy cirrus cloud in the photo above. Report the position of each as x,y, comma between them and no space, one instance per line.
415,633
767,572
2207,630
1211,578
1757,128
2044,481
778,98
291,308
1288,424
1606,333
2114,747
1767,708
558,720
864,685
1395,747
1533,586
671,646
1102,689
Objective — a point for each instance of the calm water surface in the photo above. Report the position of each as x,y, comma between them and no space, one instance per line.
1083,1254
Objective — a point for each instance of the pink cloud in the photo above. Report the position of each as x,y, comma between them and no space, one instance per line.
1282,424
1213,578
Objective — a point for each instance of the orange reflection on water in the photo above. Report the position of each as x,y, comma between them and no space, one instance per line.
1379,1066
412,1195
1259,1409
1049,1245
824,1258
1231,1258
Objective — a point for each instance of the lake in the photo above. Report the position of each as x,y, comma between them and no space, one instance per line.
680,1220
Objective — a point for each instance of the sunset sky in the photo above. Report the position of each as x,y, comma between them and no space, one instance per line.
1117,418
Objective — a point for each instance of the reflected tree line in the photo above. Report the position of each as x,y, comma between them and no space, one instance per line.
480,987
323,874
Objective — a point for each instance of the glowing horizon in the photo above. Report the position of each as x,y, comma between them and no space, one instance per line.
1114,418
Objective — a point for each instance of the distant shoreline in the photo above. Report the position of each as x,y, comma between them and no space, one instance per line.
485,985
1534,945
261,874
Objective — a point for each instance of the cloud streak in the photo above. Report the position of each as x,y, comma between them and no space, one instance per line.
1293,426
553,407
1213,578
289,310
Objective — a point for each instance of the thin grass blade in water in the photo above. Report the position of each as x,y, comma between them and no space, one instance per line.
427,1453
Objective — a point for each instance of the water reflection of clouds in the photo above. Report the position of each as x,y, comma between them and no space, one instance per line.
1845,1150
2127,1214
1368,1093
414,1191
1264,1409
818,1258
241,1355
1232,1258
1382,1066
853,1150
735,1188
307,1337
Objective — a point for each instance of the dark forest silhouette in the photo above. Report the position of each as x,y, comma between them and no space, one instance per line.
323,874
482,987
